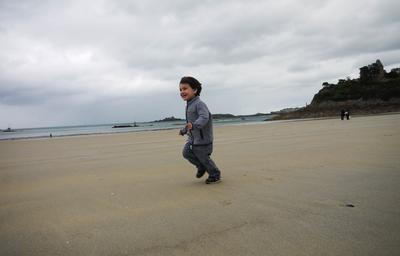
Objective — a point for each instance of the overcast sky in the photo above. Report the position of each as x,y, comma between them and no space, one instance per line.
88,62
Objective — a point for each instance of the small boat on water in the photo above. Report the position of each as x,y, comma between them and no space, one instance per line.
125,125
122,126
8,130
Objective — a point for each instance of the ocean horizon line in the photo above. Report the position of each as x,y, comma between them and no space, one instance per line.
108,128
124,123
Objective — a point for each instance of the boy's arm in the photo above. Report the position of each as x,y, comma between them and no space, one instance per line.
204,116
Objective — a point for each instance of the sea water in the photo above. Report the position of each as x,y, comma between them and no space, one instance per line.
62,131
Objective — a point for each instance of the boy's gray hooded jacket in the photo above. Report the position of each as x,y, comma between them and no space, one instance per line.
198,114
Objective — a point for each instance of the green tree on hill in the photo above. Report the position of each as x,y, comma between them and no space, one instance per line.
374,84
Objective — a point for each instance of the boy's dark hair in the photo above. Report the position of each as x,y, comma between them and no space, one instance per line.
193,82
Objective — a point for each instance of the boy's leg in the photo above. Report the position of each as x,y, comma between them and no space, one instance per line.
203,154
191,157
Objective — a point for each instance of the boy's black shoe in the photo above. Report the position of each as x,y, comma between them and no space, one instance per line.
213,179
200,173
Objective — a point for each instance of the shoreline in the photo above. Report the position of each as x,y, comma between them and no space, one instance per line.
215,126
84,134
334,117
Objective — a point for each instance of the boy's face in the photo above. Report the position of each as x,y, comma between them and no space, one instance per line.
187,92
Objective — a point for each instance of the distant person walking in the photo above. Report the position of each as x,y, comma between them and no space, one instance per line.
347,114
342,114
199,129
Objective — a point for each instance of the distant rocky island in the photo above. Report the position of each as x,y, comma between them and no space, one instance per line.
223,116
169,119
375,91
231,116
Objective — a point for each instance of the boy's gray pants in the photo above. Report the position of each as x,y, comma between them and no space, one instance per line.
200,157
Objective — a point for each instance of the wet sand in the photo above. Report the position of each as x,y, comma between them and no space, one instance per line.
284,192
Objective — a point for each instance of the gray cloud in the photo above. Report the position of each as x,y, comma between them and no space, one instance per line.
108,60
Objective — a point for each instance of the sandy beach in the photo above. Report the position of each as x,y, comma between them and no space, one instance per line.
284,192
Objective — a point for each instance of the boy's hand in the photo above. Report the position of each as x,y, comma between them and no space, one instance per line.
189,126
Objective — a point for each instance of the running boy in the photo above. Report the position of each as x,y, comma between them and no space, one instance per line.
199,145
